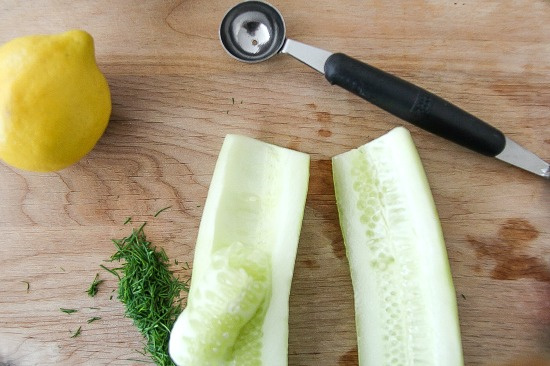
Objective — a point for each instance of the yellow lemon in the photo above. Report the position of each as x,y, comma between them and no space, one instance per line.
54,101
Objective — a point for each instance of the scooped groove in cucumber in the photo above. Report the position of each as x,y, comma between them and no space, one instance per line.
405,303
237,309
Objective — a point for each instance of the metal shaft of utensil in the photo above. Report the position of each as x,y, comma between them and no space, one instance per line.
309,55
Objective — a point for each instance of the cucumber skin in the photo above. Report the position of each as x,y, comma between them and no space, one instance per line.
434,282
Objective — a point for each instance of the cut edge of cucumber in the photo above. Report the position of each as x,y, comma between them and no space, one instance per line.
401,163
281,174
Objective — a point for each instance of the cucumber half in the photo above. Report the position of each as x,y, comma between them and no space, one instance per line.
237,308
405,303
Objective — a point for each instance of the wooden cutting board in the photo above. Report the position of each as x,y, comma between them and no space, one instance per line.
176,94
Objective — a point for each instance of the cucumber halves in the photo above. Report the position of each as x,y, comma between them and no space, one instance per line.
237,309
405,304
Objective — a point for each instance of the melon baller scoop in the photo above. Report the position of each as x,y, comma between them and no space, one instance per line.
254,31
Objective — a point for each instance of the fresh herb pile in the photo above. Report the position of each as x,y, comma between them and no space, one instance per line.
149,291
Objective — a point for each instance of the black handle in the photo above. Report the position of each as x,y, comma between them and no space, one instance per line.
414,104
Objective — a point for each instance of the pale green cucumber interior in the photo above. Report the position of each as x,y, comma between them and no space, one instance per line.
404,297
237,311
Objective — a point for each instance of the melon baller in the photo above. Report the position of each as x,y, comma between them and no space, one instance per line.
254,31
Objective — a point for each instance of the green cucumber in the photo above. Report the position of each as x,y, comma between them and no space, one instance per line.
237,309
405,303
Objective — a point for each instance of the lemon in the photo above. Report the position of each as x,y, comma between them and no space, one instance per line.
54,101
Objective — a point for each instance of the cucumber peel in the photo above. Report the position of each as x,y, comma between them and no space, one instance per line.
405,303
237,308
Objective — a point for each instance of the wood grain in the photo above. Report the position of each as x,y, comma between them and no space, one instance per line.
176,94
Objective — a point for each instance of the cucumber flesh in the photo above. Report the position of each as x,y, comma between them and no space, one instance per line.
405,304
237,308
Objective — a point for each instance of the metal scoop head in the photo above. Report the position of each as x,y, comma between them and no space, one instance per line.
252,31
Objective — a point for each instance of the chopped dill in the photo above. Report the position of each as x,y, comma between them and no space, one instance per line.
93,319
149,290
68,311
77,333
161,210
92,291
128,219
112,271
